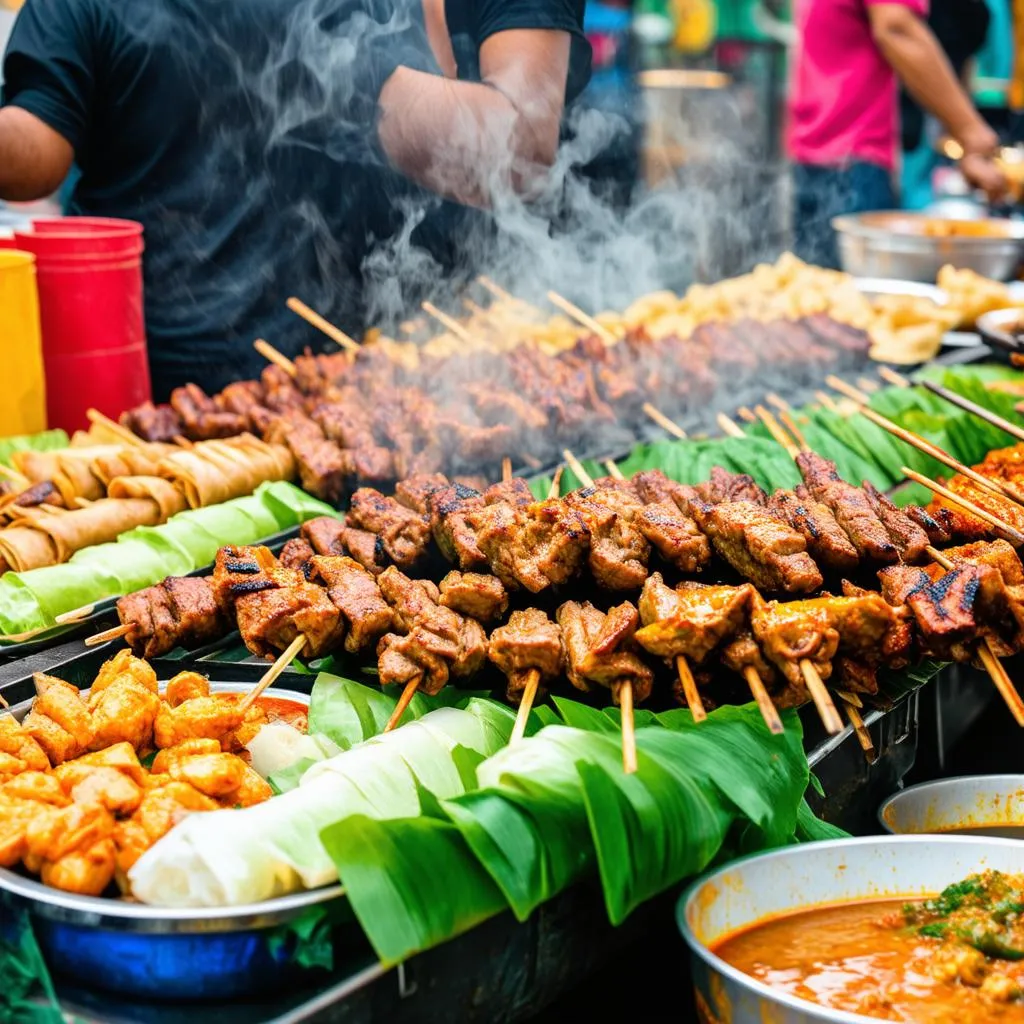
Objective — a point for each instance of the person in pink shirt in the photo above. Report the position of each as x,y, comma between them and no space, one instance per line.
843,113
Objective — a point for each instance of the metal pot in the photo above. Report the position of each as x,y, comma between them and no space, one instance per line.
797,877
895,245
998,329
969,801
160,952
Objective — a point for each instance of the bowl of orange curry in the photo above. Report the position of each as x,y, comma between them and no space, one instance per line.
980,805
926,929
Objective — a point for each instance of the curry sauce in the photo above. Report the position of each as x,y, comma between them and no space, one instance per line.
957,957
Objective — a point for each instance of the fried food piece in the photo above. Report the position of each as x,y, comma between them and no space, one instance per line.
124,711
121,664
185,686
96,784
19,750
211,717
59,720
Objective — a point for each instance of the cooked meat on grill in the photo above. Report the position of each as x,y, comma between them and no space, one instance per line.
451,509
412,601
296,553
898,644
653,486
816,629
481,597
597,648
239,570
910,538
618,551
515,491
674,536
414,491
422,654
324,535
178,612
157,423
322,466
826,542
725,486
405,534
702,618
201,418
44,492
366,548
764,550
938,531
529,640
355,592
742,651
851,507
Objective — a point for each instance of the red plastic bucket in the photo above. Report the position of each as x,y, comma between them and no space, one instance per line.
90,296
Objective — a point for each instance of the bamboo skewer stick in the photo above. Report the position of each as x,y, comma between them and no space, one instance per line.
577,467
827,401
284,659
769,712
728,426
448,322
108,634
922,444
663,421
866,384
861,732
1008,532
851,698
894,378
525,706
821,697
556,483
628,727
745,414
789,422
75,614
582,318
690,691
506,469
840,385
613,471
993,666
496,290
968,406
775,429
271,354
403,702
95,416
312,317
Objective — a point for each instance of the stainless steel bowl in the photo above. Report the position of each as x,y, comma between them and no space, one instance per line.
894,245
972,802
796,877
997,329
164,953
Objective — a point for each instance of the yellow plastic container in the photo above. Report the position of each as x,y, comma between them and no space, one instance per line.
22,379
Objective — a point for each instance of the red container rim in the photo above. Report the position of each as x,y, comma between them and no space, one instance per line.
85,226
52,246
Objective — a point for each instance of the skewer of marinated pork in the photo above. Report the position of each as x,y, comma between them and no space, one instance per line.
866,521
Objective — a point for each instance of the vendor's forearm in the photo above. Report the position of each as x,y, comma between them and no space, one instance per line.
34,159
917,58
465,141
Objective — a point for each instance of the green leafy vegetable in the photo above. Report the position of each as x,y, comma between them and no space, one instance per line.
25,975
47,440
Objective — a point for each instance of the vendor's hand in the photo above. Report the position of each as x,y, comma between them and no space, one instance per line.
984,173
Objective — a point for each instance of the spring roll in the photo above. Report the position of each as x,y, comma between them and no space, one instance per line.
171,499
102,521
24,548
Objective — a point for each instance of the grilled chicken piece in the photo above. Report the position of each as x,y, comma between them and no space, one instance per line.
764,550
240,570
702,617
515,491
725,486
414,491
324,535
366,548
181,611
296,554
674,536
481,597
910,538
354,591
896,649
814,630
851,507
936,527
405,534
451,511
618,551
322,466
653,486
742,651
597,648
826,541
529,640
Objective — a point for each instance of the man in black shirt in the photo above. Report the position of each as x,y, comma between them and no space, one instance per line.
268,146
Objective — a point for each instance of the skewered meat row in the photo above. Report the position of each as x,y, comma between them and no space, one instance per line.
371,419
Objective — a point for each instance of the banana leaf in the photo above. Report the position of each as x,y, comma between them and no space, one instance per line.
46,440
24,974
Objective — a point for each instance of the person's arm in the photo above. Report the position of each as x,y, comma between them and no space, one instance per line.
34,159
48,89
468,141
913,52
